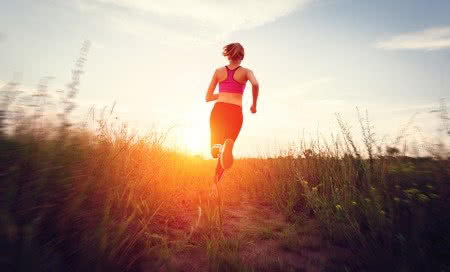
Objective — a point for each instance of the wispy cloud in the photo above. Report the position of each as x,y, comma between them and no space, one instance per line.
234,14
164,34
428,39
214,19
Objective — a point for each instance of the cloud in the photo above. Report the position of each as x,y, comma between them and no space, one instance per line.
164,34
213,19
234,14
429,39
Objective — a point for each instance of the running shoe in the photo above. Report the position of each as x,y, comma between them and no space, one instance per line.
215,150
226,157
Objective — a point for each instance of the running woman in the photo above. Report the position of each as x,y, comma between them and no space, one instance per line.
226,115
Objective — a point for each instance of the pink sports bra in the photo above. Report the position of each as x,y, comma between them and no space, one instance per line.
229,85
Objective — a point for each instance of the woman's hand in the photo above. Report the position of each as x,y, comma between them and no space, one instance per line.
212,97
253,108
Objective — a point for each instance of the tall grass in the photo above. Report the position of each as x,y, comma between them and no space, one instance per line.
79,199
388,208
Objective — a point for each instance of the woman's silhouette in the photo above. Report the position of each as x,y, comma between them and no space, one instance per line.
226,115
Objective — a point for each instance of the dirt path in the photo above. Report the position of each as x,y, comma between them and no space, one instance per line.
257,237
274,243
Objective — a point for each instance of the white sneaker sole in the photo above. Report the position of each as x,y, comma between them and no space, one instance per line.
215,150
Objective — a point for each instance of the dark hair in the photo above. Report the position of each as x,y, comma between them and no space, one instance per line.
235,51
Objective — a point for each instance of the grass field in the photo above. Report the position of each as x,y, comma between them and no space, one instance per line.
74,199
103,199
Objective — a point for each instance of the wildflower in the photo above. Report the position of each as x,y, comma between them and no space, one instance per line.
372,188
354,203
423,198
430,187
338,207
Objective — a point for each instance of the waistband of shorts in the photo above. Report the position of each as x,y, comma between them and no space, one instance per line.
225,104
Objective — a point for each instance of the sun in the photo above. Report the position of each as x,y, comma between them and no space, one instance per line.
194,134
196,140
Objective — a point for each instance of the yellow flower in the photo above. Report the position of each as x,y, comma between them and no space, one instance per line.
354,203
338,207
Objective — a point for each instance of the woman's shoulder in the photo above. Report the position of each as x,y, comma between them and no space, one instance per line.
221,69
245,69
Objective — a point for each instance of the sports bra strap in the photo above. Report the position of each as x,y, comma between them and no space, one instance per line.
226,66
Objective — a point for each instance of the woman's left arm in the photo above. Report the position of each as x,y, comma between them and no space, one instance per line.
210,96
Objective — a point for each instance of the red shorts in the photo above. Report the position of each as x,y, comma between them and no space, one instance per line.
225,122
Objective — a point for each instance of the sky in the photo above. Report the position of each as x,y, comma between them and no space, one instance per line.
313,59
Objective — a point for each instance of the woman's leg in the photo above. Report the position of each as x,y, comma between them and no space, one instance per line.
232,129
217,129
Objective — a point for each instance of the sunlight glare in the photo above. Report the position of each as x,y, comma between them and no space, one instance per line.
196,141
196,135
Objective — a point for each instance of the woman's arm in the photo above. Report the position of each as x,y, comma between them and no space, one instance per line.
210,96
255,89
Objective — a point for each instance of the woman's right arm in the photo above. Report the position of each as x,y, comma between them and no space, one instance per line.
255,89
210,96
